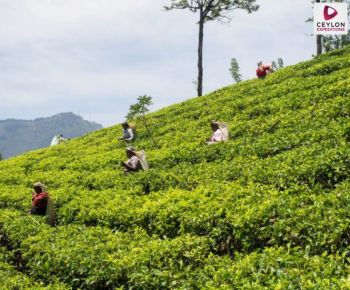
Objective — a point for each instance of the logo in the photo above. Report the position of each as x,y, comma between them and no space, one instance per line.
331,18
326,12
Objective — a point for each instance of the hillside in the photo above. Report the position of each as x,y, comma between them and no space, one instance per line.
18,136
270,209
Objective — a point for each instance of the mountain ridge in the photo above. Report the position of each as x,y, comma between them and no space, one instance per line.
18,136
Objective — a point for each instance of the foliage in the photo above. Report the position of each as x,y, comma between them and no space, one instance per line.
269,209
213,9
234,69
138,111
277,65
331,42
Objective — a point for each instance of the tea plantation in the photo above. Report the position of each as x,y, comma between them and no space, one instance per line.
270,209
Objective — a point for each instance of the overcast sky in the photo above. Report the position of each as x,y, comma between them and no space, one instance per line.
95,57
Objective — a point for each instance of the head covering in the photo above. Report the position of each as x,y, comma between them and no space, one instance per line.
125,124
141,155
130,149
39,184
223,127
215,123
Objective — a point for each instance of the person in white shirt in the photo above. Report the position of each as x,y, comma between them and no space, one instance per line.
134,162
58,139
128,133
220,132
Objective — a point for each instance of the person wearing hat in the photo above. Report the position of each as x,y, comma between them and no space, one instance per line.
220,132
263,70
39,199
128,133
134,162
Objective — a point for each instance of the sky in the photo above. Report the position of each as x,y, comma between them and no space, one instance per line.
95,57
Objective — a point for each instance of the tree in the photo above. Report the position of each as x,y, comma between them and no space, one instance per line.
330,42
277,65
210,10
0,156
138,111
234,69
280,62
318,40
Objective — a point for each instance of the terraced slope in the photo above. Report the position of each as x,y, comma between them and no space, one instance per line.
270,209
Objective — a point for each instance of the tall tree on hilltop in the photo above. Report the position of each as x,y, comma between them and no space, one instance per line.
210,10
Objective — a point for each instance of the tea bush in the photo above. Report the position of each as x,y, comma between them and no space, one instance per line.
269,209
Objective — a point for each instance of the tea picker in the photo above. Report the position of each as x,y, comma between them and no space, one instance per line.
128,132
58,139
220,132
42,204
263,70
137,160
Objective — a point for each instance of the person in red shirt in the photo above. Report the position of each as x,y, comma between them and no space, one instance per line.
263,70
39,199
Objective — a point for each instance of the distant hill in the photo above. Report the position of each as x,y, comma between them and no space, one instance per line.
18,136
